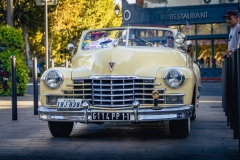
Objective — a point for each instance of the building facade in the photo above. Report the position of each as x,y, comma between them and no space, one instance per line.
200,20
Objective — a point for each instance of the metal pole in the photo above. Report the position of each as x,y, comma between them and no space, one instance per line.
10,12
230,91
238,75
35,86
227,88
234,95
223,86
52,62
65,54
46,34
14,92
66,63
231,88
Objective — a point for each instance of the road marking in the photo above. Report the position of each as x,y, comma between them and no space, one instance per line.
210,101
30,84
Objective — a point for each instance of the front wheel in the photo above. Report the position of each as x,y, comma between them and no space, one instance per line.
179,128
60,129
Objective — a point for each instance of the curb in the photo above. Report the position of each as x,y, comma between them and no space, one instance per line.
211,79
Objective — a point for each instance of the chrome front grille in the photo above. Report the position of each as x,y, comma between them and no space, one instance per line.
115,91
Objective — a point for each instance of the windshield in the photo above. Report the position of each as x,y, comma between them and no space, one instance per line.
129,37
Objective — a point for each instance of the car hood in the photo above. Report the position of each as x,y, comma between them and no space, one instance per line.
126,61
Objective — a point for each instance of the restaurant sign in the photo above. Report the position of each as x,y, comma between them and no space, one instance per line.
182,16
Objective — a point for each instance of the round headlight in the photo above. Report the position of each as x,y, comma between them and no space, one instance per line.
53,79
174,78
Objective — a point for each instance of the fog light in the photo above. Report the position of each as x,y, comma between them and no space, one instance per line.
173,99
44,117
52,100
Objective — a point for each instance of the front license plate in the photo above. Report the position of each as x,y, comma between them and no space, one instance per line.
68,103
111,116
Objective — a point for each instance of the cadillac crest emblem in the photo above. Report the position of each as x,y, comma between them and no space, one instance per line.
111,65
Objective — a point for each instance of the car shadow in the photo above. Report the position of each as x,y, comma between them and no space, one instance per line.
108,131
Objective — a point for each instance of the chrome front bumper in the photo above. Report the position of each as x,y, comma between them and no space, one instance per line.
136,114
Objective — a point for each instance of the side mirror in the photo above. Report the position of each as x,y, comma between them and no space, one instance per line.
70,47
188,44
180,38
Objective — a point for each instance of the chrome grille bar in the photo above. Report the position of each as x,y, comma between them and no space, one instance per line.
115,91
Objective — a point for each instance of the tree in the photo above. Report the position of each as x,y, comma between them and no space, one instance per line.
71,17
12,42
66,20
29,18
74,16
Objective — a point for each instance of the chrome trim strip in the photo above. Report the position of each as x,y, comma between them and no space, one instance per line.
66,95
109,77
140,115
149,99
85,84
164,94
112,77
115,95
127,84
172,94
127,105
111,100
108,100
127,89
76,90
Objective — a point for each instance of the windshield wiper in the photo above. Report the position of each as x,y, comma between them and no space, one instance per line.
151,44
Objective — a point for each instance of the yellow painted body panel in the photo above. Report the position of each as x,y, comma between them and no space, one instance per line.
148,61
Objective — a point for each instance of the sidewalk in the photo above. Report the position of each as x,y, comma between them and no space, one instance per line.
28,138
26,100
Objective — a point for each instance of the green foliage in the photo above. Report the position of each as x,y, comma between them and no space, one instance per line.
71,17
66,21
12,42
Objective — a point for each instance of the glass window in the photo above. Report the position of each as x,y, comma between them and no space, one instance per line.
188,32
175,27
203,29
193,49
220,28
204,53
133,37
220,46
159,33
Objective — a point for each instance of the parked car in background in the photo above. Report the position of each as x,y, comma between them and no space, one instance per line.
124,74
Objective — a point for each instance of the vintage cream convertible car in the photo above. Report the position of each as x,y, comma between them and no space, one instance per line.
124,74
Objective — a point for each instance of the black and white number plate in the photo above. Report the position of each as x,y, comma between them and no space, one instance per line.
111,116
68,103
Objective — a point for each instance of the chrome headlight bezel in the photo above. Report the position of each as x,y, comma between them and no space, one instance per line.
174,78
53,79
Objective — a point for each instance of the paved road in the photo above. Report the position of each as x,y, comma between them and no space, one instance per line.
211,88
29,138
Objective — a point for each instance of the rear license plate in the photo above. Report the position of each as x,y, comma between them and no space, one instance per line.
68,103
111,116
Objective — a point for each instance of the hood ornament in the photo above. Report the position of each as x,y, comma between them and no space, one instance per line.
111,65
